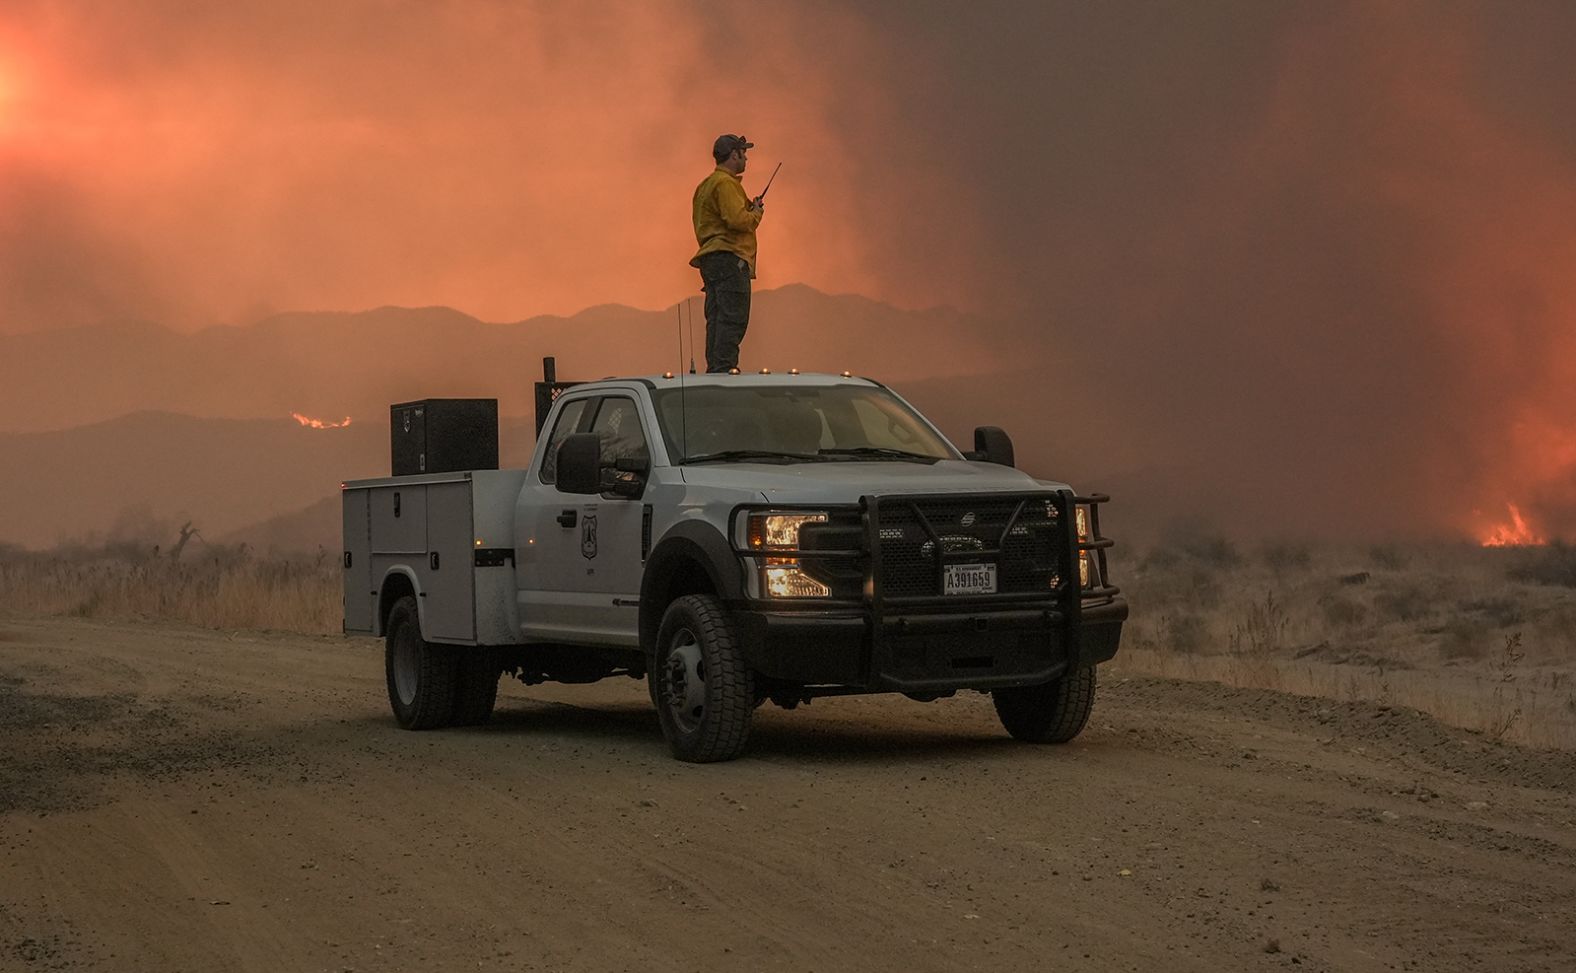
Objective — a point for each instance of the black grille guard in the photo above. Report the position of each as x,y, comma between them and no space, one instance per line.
1096,544
1066,599
912,504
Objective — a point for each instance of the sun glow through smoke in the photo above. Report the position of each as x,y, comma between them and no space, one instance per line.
8,94
311,423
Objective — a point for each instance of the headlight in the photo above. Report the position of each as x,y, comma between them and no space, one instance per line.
779,532
782,577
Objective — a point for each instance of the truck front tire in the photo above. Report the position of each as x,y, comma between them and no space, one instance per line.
703,689
421,675
1052,712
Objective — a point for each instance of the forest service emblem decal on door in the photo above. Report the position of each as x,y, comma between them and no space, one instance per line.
588,535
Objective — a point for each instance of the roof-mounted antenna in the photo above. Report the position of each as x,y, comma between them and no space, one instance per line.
683,399
690,311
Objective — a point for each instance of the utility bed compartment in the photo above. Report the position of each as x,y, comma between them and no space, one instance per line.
452,534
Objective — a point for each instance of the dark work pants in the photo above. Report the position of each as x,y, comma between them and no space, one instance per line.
726,279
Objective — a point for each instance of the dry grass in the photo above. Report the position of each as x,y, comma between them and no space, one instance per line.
1484,639
1478,638
221,588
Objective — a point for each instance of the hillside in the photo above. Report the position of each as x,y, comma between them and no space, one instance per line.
128,476
332,365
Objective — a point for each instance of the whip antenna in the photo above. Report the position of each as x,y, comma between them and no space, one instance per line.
768,188
690,312
683,399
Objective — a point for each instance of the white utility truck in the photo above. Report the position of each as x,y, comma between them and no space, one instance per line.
732,539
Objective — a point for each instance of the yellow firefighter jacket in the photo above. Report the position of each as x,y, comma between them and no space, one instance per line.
723,218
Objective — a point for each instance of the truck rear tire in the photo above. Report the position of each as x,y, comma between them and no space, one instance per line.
475,687
1053,712
420,675
704,690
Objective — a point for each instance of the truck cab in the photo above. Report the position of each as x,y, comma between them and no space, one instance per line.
737,539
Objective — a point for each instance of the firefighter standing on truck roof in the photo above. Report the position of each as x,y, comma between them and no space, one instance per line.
725,222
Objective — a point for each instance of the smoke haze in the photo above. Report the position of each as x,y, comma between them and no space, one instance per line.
1309,258
193,165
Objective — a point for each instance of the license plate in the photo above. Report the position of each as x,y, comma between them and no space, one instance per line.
970,579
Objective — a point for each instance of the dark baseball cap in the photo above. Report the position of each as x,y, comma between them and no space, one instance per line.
725,145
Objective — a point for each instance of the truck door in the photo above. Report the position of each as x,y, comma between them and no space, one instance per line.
547,535
612,548
580,576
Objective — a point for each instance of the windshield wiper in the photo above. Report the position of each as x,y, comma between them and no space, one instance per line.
880,452
766,454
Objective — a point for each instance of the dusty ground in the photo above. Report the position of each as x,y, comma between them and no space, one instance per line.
178,799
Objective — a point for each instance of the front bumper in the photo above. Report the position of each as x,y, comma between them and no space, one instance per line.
938,650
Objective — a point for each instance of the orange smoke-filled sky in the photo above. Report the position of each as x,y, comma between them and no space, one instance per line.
194,163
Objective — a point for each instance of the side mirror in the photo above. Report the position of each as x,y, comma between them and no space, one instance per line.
579,456
991,445
628,479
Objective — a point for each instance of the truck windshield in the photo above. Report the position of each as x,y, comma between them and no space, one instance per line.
807,423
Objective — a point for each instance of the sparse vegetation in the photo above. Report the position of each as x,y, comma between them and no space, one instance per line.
1479,638
1261,631
1506,698
1184,632
1342,613
1404,600
1500,611
1419,625
1285,556
1554,564
1388,557
215,587
1464,638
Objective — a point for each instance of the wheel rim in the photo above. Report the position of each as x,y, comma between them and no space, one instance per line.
406,666
686,681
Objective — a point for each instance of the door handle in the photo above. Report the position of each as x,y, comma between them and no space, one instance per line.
567,518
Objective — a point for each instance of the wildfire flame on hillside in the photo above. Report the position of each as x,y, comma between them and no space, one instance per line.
1515,533
311,423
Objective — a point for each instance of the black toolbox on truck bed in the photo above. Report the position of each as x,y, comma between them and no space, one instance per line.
443,436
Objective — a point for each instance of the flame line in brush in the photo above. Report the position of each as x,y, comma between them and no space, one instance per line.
311,423
1516,533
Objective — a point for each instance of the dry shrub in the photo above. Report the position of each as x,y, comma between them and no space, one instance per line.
1201,589
1261,631
215,588
1463,638
1190,545
1388,557
1423,627
1185,632
1554,564
1168,578
1342,613
1285,556
1159,558
1507,702
1498,610
1217,552
1405,601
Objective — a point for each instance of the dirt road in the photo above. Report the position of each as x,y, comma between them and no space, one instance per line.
179,799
